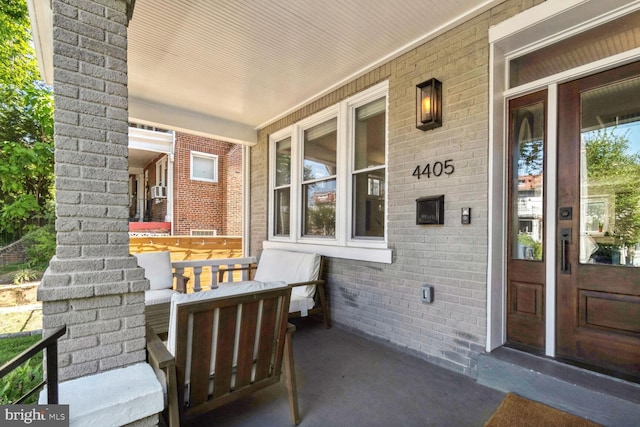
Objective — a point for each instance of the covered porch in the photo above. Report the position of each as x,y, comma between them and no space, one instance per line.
297,89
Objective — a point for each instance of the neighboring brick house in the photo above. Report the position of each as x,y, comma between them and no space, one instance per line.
205,200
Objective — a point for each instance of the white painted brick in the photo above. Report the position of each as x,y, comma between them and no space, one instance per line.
383,300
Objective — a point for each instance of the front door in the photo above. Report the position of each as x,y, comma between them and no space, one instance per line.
598,222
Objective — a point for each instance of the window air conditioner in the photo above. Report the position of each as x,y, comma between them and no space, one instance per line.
158,192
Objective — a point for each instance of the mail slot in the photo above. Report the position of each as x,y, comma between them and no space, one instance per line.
430,210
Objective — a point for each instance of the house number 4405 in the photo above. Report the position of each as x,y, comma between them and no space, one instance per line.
436,169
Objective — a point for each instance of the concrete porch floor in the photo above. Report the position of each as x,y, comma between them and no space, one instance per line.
347,380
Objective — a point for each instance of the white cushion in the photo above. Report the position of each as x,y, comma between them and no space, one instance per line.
157,269
158,296
221,292
301,304
291,267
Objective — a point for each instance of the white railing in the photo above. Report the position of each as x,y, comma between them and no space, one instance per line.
217,267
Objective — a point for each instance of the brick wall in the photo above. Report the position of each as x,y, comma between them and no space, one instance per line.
383,300
200,205
92,285
13,253
234,191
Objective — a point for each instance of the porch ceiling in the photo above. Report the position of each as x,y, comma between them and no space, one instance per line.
245,63
224,68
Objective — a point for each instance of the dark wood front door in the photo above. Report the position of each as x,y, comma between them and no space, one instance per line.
598,224
526,223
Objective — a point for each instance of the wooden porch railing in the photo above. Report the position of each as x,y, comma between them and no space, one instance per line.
196,258
215,269
50,347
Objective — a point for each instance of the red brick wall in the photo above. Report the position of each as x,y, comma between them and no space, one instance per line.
200,205
13,253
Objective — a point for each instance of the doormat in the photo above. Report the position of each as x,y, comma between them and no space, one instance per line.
518,411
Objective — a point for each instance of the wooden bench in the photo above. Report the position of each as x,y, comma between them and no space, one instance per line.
301,271
223,345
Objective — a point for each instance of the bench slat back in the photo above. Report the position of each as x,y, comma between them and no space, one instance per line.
229,346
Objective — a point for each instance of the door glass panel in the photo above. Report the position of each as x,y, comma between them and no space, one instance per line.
610,175
527,181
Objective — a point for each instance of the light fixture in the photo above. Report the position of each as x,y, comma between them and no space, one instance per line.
429,104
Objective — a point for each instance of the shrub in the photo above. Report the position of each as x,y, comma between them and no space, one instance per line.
24,275
40,246
527,240
25,377
20,381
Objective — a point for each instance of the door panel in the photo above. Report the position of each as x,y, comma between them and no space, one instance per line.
598,284
526,261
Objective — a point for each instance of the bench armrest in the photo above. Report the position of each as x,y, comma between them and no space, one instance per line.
160,359
309,283
159,356
228,270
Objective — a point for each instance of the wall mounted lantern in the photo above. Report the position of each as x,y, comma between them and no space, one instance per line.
429,104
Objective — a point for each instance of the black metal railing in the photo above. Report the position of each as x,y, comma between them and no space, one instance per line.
50,346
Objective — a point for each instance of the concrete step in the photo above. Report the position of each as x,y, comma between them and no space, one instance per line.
599,398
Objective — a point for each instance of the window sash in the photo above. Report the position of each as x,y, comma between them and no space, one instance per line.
308,191
204,167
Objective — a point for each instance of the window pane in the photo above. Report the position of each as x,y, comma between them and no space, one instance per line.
203,168
319,208
610,175
369,135
527,207
368,204
320,151
281,215
283,162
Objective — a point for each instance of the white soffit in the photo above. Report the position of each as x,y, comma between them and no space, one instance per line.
252,61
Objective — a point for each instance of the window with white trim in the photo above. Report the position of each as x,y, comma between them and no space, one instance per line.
204,167
328,176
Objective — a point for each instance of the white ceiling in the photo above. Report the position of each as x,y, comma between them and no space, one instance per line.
225,68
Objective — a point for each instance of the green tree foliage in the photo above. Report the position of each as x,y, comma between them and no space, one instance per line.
612,165
26,124
608,155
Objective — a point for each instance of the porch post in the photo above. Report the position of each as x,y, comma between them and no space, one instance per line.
92,285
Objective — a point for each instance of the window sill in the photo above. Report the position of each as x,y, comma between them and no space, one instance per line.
384,256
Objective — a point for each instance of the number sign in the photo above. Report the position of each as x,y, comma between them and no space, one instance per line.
435,169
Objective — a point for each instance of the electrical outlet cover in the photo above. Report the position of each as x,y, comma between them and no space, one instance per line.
427,293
